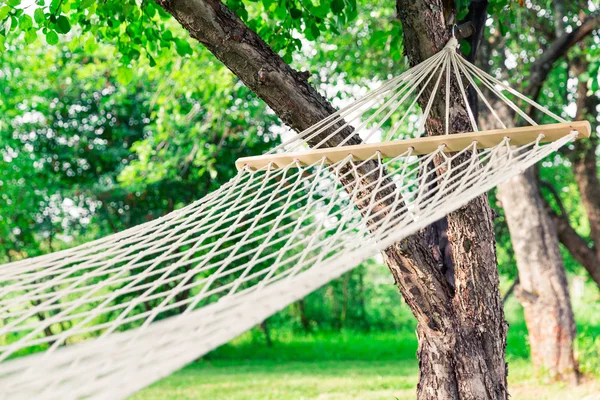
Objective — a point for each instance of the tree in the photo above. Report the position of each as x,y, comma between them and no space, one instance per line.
85,156
585,170
542,288
461,330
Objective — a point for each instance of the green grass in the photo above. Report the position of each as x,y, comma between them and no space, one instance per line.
350,365
336,346
285,379
251,380
329,366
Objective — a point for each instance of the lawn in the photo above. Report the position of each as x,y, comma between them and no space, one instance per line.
351,365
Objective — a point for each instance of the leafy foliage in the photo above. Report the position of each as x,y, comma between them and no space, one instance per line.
83,152
111,116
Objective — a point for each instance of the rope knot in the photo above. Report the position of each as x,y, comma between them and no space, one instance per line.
452,43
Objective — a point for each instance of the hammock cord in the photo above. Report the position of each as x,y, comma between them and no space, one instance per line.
109,317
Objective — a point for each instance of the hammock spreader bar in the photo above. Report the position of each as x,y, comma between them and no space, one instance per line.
420,146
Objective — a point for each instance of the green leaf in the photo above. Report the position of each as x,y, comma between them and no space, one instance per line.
584,77
4,12
183,47
62,24
124,75
25,22
295,13
287,57
85,4
90,44
337,6
54,6
281,11
51,38
151,60
352,13
462,7
321,11
379,38
465,46
134,54
39,16
2,46
242,13
314,30
30,36
14,3
503,29
8,23
396,47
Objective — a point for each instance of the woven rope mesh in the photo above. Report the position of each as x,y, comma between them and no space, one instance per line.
112,316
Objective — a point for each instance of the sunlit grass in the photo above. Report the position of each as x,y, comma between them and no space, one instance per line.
288,380
351,365
327,379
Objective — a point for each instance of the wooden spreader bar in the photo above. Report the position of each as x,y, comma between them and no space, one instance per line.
425,145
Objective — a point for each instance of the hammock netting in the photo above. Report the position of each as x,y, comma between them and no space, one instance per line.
107,318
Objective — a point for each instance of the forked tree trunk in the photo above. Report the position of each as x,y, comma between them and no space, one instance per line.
585,169
462,356
462,332
542,289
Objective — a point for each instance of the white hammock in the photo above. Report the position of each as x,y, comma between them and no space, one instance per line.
112,316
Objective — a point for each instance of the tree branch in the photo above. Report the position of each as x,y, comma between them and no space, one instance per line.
284,89
576,245
510,290
542,66
554,193
476,18
540,69
464,30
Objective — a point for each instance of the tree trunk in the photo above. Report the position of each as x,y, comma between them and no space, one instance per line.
462,332
304,320
364,317
462,354
542,290
264,327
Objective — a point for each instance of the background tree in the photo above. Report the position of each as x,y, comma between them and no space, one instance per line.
180,146
534,237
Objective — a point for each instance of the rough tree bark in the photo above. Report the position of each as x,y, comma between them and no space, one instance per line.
543,289
462,332
475,346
